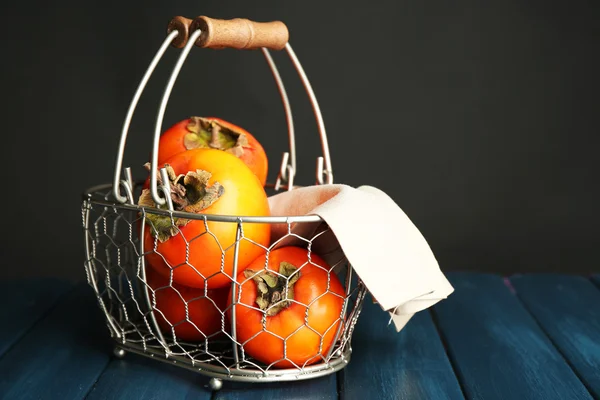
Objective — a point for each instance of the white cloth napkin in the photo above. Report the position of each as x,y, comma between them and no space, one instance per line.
386,250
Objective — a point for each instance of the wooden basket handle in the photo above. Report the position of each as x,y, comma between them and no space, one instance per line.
237,33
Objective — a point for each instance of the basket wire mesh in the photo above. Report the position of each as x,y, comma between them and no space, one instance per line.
133,296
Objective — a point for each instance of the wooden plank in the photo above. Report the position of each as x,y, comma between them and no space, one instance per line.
318,389
385,364
23,302
498,350
596,279
62,356
136,377
567,307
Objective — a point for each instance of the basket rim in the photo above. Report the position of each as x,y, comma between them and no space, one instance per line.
94,195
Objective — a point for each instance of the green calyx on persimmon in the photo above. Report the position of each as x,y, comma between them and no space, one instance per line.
204,132
190,192
274,290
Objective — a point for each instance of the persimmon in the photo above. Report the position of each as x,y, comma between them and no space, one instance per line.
216,133
306,316
204,310
198,252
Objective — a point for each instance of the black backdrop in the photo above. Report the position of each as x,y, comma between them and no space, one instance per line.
479,118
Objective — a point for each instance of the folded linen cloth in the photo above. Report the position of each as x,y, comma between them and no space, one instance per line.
386,250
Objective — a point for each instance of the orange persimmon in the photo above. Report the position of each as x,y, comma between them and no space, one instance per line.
198,252
211,132
307,319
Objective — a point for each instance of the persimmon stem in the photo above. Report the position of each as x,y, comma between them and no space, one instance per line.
214,136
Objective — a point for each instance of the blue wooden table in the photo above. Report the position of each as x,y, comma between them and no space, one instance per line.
523,337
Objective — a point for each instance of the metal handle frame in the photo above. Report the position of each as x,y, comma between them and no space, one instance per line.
287,172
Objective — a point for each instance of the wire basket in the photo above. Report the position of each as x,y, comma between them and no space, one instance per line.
199,328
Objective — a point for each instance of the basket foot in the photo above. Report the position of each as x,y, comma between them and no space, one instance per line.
215,384
119,352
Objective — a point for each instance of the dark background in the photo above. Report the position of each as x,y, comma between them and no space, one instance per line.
479,118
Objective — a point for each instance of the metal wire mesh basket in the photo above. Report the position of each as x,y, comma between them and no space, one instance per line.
200,328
